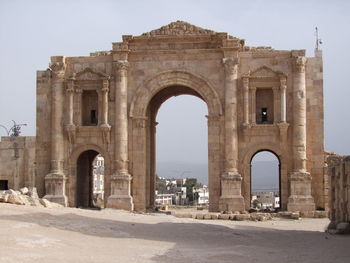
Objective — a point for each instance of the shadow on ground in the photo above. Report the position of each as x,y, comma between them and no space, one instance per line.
203,242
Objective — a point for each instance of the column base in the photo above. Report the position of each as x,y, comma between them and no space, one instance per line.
55,184
58,199
234,203
300,198
124,202
120,197
231,198
301,203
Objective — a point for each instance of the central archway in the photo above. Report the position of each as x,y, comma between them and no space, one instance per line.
143,111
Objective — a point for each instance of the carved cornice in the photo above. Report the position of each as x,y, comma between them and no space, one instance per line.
231,66
179,28
299,64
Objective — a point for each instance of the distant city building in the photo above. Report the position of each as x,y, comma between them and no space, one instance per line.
98,175
266,200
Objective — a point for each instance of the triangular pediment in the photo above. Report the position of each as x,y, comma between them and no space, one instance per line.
179,28
89,74
264,72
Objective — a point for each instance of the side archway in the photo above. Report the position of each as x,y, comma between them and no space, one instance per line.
72,186
248,156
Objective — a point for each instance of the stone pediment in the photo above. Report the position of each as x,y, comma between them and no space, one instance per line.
265,72
89,74
179,28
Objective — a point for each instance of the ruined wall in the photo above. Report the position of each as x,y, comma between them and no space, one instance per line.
315,122
17,161
339,192
43,130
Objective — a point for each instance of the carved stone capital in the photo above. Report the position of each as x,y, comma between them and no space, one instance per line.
70,86
283,81
121,65
231,66
105,87
58,68
299,63
245,81
253,89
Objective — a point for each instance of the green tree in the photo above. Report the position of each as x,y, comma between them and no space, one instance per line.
160,185
190,183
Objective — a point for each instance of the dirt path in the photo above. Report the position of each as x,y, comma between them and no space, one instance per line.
29,234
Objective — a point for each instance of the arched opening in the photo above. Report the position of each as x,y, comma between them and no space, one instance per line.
265,181
179,159
90,180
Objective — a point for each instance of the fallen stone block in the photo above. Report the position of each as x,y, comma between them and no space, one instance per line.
242,217
24,190
224,216
207,216
295,215
32,192
214,216
15,199
182,215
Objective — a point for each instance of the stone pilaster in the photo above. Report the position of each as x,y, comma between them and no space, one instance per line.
121,179
231,198
55,181
79,94
253,104
300,198
283,88
70,127
104,94
275,103
246,100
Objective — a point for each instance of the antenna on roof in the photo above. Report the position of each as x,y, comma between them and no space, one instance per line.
318,51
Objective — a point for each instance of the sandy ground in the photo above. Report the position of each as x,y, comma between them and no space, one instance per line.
30,234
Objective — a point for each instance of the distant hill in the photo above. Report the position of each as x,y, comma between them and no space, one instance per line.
264,173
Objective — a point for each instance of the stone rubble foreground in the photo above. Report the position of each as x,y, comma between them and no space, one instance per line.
25,196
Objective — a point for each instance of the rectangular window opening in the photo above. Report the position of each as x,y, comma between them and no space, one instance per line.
264,116
4,185
93,117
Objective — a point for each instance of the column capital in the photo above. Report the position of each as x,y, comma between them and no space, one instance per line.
105,87
58,67
275,88
252,88
231,65
121,65
78,90
70,86
245,81
299,64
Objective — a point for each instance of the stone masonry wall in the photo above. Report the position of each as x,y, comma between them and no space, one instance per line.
339,178
17,161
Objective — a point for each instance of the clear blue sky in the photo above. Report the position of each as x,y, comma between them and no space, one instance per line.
32,31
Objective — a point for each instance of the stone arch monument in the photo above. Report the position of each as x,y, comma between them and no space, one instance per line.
258,98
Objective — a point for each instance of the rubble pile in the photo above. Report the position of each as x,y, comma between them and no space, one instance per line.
25,196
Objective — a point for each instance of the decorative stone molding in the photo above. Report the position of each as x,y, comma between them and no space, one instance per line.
299,64
179,28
